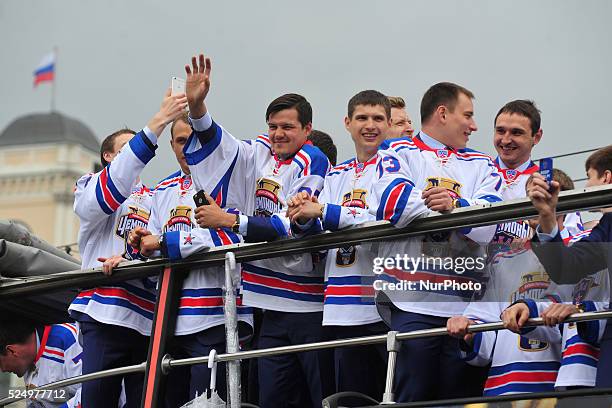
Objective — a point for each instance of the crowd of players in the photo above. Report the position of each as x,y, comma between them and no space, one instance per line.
281,185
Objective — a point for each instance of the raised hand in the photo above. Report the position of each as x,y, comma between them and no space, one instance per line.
544,200
197,85
171,108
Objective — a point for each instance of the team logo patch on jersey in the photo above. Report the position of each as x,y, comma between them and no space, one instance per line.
526,344
453,186
582,288
511,174
136,217
266,197
188,240
180,219
533,285
509,231
346,256
442,153
355,198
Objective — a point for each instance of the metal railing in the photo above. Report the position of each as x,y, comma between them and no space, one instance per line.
356,341
594,197
474,216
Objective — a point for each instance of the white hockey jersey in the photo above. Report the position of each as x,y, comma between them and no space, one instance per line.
58,357
580,342
349,292
515,181
257,182
518,364
109,205
172,213
472,179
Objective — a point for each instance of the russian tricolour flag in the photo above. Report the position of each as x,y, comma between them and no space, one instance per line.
45,71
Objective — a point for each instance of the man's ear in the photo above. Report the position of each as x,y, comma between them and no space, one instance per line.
308,128
108,156
538,136
442,111
607,177
346,122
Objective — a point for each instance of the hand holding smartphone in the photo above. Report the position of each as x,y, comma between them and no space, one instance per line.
178,86
546,170
200,199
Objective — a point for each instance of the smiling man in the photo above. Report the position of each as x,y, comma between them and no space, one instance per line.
349,309
450,176
517,131
258,177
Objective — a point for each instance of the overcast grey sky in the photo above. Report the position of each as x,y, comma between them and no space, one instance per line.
117,57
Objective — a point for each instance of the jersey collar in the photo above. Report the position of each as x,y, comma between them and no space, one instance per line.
280,162
42,343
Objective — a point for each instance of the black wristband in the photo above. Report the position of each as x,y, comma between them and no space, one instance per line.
163,246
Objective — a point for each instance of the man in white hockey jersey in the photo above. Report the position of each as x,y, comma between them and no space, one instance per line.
116,320
42,355
258,177
451,176
519,364
200,320
349,308
580,359
517,130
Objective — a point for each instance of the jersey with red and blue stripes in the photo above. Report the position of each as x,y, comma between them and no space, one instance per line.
410,165
109,205
580,342
259,185
519,364
58,357
173,214
349,292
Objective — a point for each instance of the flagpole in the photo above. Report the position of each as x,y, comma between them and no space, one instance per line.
54,79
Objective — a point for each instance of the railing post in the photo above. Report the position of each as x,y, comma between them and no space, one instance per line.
232,278
164,324
393,347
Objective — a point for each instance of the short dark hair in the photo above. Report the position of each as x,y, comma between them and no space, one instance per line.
369,97
14,332
108,144
183,118
443,93
291,101
325,143
523,107
601,160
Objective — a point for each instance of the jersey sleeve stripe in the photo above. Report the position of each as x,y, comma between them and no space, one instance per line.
207,148
100,198
332,216
142,147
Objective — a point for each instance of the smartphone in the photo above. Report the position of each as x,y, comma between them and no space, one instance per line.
200,199
546,169
178,86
